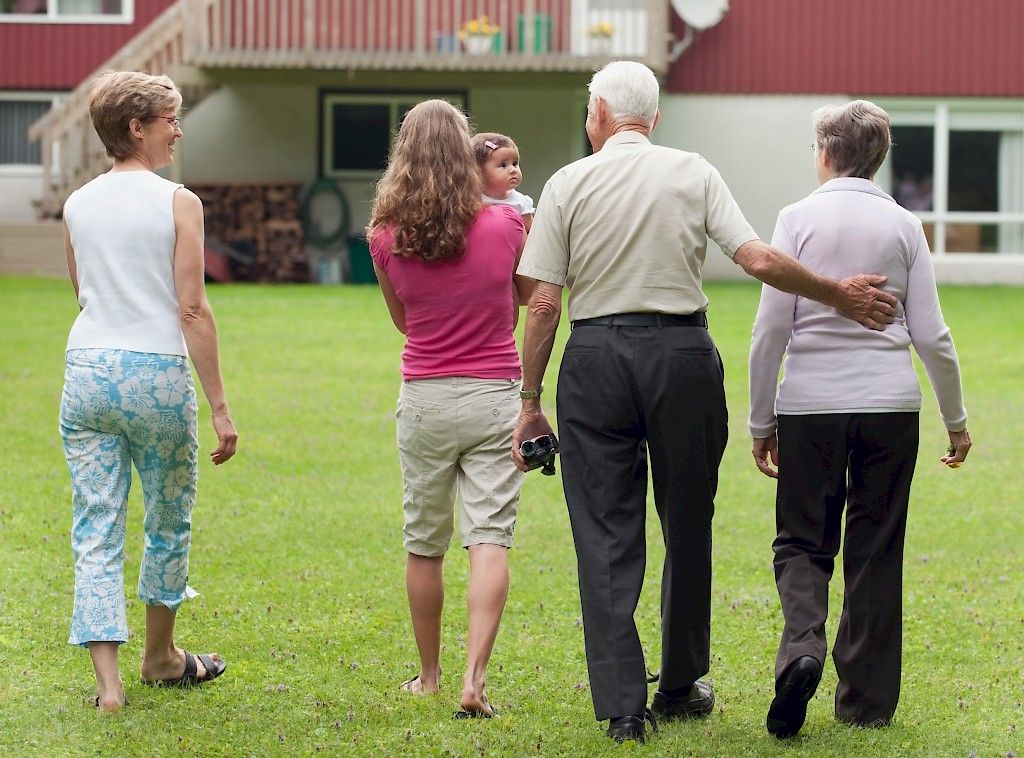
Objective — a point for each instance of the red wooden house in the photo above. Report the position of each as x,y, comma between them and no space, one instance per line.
299,89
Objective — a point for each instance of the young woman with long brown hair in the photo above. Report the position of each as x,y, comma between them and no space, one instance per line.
446,268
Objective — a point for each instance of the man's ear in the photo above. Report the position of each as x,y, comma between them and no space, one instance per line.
657,118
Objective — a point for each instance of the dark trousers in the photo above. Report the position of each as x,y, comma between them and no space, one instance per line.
863,462
626,393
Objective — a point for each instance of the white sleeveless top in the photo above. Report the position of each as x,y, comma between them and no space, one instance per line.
122,231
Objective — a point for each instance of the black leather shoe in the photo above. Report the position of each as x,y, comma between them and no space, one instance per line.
792,692
624,728
695,704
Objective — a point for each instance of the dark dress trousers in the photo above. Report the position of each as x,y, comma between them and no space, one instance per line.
626,394
863,463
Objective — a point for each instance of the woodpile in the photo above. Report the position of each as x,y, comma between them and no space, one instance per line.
261,222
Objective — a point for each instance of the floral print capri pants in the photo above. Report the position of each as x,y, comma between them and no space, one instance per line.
118,407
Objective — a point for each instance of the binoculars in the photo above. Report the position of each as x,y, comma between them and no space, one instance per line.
540,453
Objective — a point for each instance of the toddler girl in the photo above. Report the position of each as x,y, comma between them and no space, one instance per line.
498,158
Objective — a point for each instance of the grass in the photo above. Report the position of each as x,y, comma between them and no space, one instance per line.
298,556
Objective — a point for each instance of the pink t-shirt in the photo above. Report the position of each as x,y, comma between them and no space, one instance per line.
458,314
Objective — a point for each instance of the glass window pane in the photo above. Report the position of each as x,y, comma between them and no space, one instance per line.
23,6
88,7
15,119
360,136
913,158
974,171
985,238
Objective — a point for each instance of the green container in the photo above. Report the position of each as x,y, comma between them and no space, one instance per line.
541,33
362,263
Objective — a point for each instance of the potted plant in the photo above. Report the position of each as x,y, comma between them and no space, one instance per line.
599,38
477,35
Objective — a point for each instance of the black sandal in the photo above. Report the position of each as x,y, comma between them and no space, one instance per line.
214,668
463,714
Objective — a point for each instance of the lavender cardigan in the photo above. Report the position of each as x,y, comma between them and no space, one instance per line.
849,226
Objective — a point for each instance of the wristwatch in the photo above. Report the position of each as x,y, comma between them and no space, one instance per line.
531,394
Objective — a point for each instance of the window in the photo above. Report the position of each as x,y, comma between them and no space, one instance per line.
16,116
67,11
960,168
358,129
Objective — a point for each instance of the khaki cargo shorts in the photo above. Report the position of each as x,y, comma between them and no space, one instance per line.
454,438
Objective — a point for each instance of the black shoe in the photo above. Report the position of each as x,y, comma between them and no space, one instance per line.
698,702
624,728
792,691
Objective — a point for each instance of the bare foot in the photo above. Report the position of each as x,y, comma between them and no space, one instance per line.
172,667
474,699
422,684
110,698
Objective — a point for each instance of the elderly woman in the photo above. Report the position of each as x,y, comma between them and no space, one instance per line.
445,265
843,430
134,245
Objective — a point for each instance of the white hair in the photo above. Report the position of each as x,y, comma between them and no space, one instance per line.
629,88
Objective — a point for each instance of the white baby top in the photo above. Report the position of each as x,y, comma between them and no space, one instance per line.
522,203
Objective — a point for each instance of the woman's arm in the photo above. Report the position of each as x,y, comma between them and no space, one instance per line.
69,253
934,344
773,326
197,324
395,307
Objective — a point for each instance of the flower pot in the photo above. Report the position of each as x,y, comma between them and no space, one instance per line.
478,44
599,45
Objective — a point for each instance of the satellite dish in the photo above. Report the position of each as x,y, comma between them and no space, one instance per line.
700,14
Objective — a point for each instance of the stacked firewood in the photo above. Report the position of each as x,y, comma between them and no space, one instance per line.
261,222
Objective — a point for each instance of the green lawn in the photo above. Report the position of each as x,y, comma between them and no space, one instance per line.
298,556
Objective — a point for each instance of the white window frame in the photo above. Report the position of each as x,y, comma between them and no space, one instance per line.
27,169
944,116
395,100
126,16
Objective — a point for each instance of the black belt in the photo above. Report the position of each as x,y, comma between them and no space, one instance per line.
645,319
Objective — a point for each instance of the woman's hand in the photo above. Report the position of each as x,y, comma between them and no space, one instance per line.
227,437
762,449
531,423
959,444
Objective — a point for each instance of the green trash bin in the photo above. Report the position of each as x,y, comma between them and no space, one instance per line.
541,33
361,263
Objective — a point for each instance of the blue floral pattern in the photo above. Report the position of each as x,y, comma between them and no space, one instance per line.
120,407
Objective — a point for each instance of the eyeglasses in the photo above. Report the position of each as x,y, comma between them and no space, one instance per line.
172,120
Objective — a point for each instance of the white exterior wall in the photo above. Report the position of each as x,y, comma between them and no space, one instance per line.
19,185
762,147
250,130
263,125
760,144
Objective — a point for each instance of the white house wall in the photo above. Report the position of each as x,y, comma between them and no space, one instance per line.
253,130
761,145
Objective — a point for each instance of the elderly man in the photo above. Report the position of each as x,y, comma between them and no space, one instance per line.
626,230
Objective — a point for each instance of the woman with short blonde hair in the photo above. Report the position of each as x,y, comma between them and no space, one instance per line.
446,268
134,245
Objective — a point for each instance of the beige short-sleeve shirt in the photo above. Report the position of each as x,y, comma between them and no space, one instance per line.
626,229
